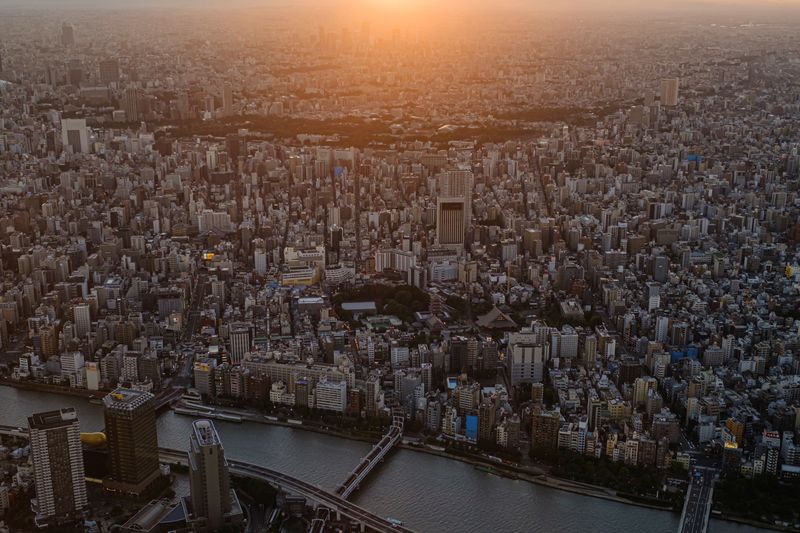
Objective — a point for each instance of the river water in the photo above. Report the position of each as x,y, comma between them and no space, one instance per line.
430,494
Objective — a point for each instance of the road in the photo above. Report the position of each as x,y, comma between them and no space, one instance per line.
297,486
199,292
183,378
697,507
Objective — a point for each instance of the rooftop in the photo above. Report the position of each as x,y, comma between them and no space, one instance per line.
205,432
122,398
53,419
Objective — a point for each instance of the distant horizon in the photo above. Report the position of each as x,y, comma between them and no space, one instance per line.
430,15
524,5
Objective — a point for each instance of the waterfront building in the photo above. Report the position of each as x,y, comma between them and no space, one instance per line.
212,504
130,425
58,472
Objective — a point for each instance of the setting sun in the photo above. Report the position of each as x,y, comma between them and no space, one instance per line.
399,266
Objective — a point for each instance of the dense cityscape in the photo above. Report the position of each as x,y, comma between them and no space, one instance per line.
561,249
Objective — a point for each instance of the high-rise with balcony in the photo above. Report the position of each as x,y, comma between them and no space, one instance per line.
58,472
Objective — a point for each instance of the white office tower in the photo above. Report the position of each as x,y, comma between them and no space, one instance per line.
75,134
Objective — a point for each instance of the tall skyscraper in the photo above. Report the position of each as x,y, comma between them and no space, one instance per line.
184,109
669,91
75,72
109,71
232,144
450,229
227,100
130,420
58,473
130,103
67,34
212,503
458,184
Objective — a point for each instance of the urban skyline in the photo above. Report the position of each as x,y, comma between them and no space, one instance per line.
399,265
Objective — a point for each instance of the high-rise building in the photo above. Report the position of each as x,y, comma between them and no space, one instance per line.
83,320
450,228
48,336
233,146
240,341
130,421
75,134
109,71
130,104
544,431
227,100
660,268
486,421
58,472
184,108
75,72
260,258
527,358
331,396
669,91
212,504
67,34
458,184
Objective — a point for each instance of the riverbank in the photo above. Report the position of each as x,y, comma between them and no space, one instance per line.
416,488
528,474
308,455
249,416
53,389
521,473
538,478
751,523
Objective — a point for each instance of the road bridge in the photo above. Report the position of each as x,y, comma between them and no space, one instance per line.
337,504
697,505
374,457
165,397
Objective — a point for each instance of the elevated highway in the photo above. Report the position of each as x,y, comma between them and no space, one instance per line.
368,521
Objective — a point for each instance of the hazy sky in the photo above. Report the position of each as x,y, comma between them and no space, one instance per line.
521,4
761,10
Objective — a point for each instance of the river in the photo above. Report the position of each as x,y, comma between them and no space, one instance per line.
428,493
